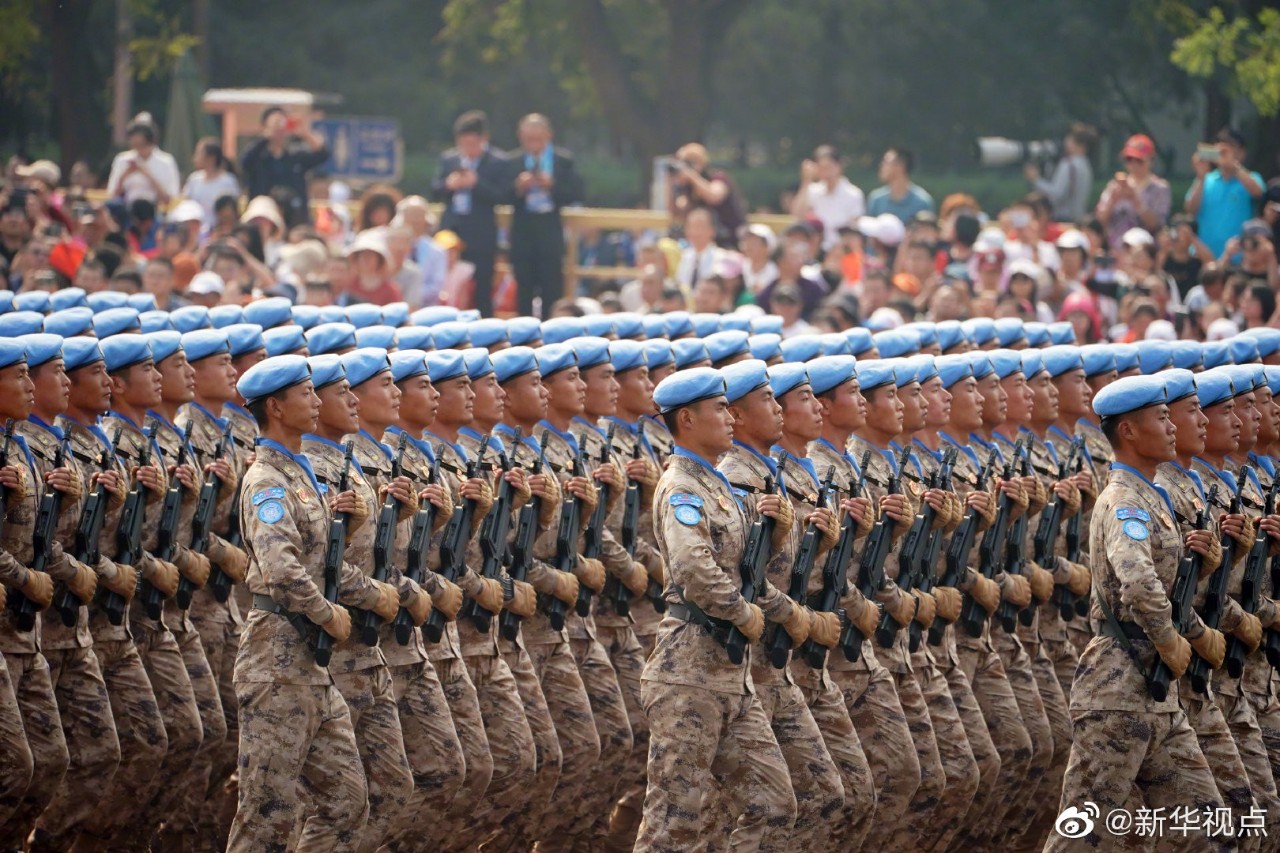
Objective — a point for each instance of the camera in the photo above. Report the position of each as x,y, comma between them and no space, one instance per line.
18,198
996,151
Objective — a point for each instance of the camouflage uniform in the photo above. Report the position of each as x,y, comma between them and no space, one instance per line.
15,755
298,756
1100,457
1122,736
698,703
644,617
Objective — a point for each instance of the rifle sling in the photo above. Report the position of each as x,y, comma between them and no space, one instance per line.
1124,632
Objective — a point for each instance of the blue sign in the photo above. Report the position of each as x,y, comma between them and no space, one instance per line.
362,148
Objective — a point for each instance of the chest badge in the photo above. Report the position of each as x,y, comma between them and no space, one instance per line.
723,501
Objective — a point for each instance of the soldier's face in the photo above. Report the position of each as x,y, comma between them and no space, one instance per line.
91,388
757,417
1074,395
844,407
380,400
995,400
601,397
1189,425
884,410
707,426
966,406
914,407
567,392
300,408
1044,398
177,379
1153,434
802,413
1019,395
526,398
1247,412
215,378
938,402
491,401
339,410
137,386
635,391
1267,414
1222,433
247,360
658,374
17,392
52,387
457,401
418,402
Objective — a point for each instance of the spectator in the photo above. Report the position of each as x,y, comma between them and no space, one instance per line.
791,275
1137,197
1072,272
403,271
1256,252
1071,184
226,216
157,279
710,296
899,196
541,180
378,207
787,303
695,185
126,280
827,194
1224,192
459,277
1081,311
470,180
644,294
214,177
207,289
287,151
143,233
41,179
415,214
673,299
1258,306
91,277
263,215
144,172
701,257
371,260
15,228
1184,252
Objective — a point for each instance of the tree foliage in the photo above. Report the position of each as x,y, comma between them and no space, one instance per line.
1244,49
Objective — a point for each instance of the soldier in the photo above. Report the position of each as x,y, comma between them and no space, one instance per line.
696,699
1122,735
662,363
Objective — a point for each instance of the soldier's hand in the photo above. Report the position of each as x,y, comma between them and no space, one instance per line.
824,628
164,577
926,608
1069,495
233,561
1041,582
1249,631
388,603
477,489
1176,654
607,473
355,508
13,484
85,582
956,507
490,595
221,468
984,504
67,481
195,567
186,475
1211,646
439,497
39,588
636,580
754,626
619,486
148,476
898,509
1017,492
125,581
868,618
827,525
114,485
1207,545
903,610
777,507
1240,528
986,592
658,572
566,588
1081,581
590,572
448,599
1017,590
401,488
419,606
862,512
948,600
1270,526
583,489
339,624
547,490
524,601
520,491
797,624
937,499
646,475
1037,494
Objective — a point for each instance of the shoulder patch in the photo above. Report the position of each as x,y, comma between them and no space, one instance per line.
1135,529
686,499
271,512
688,515
271,494
1133,512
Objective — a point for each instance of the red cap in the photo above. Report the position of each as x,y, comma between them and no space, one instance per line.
991,259
1140,146
66,258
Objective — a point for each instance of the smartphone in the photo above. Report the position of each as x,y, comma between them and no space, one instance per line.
1208,152
291,123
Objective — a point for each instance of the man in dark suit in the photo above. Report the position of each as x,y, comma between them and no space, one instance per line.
542,181
470,180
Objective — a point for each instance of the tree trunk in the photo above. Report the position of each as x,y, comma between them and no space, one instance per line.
73,81
1217,110
122,75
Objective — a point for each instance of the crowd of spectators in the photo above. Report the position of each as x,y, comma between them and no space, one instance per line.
1133,263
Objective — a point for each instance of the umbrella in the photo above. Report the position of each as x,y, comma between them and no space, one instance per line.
185,121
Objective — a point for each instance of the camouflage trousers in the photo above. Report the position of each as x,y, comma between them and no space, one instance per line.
221,641
826,703
15,755
877,716
376,721
33,690
985,755
298,762
1055,707
140,731
455,826
609,711
522,828
94,750
628,659
1022,808
1114,751
1213,734
690,729
510,745
933,776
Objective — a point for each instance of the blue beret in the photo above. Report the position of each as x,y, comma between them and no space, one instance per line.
950,334
1005,362
788,377
433,314
834,343
903,373
1062,333
679,324
306,316
188,318
67,297
11,352
380,336
203,343
981,330
1216,354
415,337
767,324
523,331
155,321
221,316
468,315
919,367
1037,334
743,377
408,363
244,338
873,373
70,321
765,346
895,343
1009,330
953,368
689,352
331,337
705,324
1213,387
598,326
1273,379
446,364
17,323
591,351
113,321
655,325
325,369
488,332
1268,339
32,300
736,321
478,362
557,330
395,313
1098,359
627,355
925,330
41,348
163,344
1246,377
981,364
801,349
553,358
121,351
80,352
104,299
725,345
1129,394
332,314
514,362
362,314
1061,359
687,387
451,334
860,340
1127,356
1178,383
657,352
268,313
831,371
1155,356
365,363
142,302
1244,349
1188,355
272,375
6,301
283,339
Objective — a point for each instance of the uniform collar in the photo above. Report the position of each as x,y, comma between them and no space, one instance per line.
1193,476
1134,472
423,447
693,457
300,458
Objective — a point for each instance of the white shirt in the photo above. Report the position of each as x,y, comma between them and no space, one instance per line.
160,165
200,188
835,207
707,261
756,281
